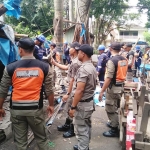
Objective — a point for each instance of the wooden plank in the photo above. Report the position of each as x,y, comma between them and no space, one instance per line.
139,136
142,96
145,117
149,97
138,123
148,127
140,111
126,105
134,104
142,145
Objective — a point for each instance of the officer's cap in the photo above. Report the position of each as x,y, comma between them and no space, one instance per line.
87,49
26,43
129,45
116,46
75,45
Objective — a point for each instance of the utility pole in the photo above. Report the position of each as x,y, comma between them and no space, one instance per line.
58,24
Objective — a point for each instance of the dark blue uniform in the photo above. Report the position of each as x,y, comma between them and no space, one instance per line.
101,65
138,60
67,56
39,52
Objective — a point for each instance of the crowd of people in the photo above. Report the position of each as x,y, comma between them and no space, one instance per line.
30,76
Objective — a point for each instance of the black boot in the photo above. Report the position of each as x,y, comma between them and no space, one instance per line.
75,147
63,89
114,132
70,132
108,124
66,126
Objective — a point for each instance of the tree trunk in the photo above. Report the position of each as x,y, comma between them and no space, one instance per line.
71,16
82,13
58,24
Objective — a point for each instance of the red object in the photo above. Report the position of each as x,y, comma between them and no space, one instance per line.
130,130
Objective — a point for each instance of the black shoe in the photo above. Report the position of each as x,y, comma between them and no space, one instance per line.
112,133
75,147
66,126
70,132
108,124
63,89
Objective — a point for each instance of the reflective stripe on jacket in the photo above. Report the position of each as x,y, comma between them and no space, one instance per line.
121,67
27,80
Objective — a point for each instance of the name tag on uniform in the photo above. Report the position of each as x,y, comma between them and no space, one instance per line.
27,73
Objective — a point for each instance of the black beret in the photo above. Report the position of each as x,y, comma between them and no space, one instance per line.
26,43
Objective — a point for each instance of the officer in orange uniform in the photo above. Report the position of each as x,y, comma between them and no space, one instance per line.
27,77
116,70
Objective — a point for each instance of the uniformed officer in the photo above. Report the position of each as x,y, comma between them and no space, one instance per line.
57,72
116,70
101,65
129,54
38,49
72,70
26,104
138,59
83,90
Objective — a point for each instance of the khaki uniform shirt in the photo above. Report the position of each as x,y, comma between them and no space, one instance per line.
73,68
87,74
110,71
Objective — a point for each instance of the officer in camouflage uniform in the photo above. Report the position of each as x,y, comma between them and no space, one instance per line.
83,90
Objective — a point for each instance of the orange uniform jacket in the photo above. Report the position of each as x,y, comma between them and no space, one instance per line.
27,80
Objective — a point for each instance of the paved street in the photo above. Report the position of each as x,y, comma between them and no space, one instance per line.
98,142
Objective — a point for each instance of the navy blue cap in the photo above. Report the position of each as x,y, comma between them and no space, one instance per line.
87,49
26,43
116,46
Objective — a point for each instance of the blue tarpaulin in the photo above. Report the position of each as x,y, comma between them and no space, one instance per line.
8,51
83,31
13,7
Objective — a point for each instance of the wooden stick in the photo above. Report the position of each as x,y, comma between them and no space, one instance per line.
65,20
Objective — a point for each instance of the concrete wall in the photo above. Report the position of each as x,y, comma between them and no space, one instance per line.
68,36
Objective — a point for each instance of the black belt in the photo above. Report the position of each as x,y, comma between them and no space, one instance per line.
25,107
119,85
87,100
